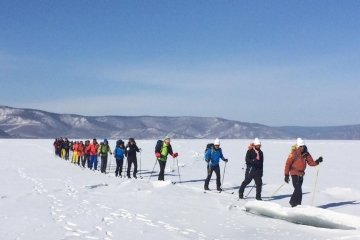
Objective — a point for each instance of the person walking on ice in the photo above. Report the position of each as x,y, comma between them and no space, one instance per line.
119,153
212,157
103,151
254,168
162,149
295,166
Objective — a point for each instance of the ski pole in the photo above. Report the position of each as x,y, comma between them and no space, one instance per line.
126,166
317,174
152,171
250,191
110,164
140,166
178,169
275,191
222,182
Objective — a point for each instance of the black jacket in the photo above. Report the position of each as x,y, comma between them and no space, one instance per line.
251,161
131,151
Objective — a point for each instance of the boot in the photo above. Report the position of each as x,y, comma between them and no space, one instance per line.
134,176
241,195
219,188
206,188
258,198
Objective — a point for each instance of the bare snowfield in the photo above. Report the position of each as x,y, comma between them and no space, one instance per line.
45,197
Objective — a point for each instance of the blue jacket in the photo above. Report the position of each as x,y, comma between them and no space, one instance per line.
119,153
215,159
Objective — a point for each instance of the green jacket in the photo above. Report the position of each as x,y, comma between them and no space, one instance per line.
164,150
103,150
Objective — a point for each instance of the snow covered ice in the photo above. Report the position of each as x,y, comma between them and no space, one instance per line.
44,197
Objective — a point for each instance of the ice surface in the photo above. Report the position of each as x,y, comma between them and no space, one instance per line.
45,197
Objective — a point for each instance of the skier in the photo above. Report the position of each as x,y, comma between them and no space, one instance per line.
55,144
103,151
162,149
131,150
59,146
295,166
66,146
212,157
254,168
80,153
93,149
119,153
86,154
75,156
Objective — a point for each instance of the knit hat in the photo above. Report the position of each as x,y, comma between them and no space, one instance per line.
300,142
257,142
217,142
105,140
167,137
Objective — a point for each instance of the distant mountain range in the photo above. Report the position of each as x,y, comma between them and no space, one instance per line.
30,123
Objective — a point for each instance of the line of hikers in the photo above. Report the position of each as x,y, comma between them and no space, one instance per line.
295,164
86,154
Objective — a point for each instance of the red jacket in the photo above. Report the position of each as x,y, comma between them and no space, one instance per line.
80,149
93,149
296,163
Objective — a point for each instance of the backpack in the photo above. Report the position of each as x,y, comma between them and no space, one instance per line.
158,145
211,147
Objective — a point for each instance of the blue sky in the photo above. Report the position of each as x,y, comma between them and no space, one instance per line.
270,62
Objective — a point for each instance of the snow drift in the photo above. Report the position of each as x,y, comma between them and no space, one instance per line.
306,215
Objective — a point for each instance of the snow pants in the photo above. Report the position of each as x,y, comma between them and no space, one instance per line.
80,159
249,176
75,157
210,170
296,197
93,161
130,162
103,163
162,170
119,165
86,160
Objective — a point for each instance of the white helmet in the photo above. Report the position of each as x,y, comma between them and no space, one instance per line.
257,142
300,142
217,142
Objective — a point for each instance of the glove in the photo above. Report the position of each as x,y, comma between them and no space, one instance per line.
140,149
207,160
175,155
319,160
157,155
226,160
287,179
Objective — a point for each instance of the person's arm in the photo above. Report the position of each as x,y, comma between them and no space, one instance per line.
310,161
289,162
248,158
170,151
221,155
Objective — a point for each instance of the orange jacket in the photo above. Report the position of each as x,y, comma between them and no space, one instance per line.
296,163
80,150
75,147
93,149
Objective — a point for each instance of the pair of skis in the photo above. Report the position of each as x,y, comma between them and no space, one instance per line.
216,191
